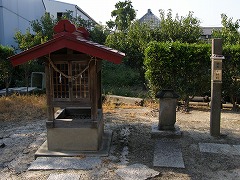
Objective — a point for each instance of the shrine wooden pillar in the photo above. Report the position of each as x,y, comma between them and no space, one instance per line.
93,89
49,96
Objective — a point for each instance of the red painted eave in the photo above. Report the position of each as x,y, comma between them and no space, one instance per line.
70,41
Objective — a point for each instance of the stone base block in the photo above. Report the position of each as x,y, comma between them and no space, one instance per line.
156,133
44,151
74,139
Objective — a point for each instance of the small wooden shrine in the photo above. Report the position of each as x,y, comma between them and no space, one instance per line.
73,87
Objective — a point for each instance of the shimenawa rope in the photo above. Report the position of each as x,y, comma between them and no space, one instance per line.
65,75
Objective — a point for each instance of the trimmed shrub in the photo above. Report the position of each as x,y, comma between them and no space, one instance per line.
182,67
186,68
231,73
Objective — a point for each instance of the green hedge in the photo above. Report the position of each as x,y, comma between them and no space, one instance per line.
186,68
231,72
180,66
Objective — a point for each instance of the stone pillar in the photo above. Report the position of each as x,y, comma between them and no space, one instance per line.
167,109
216,86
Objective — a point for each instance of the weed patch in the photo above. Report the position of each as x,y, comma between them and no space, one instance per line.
22,107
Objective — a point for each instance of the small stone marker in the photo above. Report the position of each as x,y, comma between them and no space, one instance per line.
136,172
168,154
64,176
167,109
226,149
43,163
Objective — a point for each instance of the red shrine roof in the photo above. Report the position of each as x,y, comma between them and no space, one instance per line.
68,37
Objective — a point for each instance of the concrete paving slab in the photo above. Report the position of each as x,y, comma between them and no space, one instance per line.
226,149
64,176
136,172
51,163
228,174
237,147
168,154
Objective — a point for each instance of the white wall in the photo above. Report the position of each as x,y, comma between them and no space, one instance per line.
53,7
16,15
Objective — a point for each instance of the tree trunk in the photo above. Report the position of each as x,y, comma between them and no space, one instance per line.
186,104
235,106
7,84
26,76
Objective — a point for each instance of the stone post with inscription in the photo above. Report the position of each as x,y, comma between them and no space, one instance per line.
216,86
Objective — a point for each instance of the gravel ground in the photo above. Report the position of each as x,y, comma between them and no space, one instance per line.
131,144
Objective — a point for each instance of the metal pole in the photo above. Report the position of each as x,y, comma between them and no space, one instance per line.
216,86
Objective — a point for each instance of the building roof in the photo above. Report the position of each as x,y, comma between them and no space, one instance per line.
68,37
209,30
149,17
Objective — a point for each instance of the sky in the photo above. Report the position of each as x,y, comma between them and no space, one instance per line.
207,11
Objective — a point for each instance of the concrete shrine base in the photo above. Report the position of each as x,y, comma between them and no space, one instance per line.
75,139
103,150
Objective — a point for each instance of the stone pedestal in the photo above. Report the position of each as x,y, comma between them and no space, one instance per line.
74,133
167,116
103,150
75,139
167,109
74,130
158,134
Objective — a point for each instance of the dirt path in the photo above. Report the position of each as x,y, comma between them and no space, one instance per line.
131,144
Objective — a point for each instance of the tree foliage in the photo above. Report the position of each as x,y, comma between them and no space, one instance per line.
42,30
42,33
229,32
124,15
182,29
28,40
44,26
6,69
79,21
135,39
133,44
99,34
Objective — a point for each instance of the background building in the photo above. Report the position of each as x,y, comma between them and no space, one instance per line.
58,9
149,17
16,15
207,32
